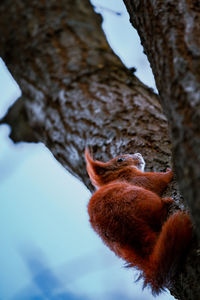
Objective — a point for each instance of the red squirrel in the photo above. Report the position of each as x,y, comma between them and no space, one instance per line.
133,220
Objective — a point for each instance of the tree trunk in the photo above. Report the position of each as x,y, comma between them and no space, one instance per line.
170,34
77,93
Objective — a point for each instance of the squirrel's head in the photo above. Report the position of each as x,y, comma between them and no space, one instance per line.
101,173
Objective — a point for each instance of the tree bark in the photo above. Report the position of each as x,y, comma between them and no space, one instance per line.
77,93
170,33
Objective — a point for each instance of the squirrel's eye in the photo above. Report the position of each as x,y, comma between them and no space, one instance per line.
120,159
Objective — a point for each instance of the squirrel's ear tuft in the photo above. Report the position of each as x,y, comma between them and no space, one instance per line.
95,169
88,157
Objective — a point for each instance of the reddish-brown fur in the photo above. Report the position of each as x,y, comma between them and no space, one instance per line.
131,218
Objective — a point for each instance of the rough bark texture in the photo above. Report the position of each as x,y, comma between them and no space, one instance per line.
76,92
170,33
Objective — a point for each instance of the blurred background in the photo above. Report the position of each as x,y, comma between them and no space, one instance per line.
48,249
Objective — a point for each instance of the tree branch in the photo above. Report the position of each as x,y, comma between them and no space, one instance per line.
76,92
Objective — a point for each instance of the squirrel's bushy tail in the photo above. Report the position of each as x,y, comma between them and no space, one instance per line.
170,247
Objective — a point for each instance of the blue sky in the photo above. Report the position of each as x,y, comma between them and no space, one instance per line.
48,250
